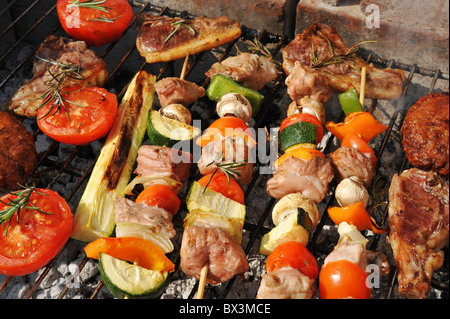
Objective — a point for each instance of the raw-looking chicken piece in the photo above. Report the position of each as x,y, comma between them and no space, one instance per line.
320,47
308,177
248,69
172,90
418,228
214,247
285,283
53,57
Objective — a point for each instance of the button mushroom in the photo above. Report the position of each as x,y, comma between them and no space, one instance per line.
234,104
351,190
308,105
177,112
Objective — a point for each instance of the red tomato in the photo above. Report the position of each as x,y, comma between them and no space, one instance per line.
89,117
96,24
159,195
343,279
306,118
219,183
36,238
293,254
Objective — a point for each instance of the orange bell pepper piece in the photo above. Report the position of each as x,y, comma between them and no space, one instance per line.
362,124
356,215
131,249
227,126
302,152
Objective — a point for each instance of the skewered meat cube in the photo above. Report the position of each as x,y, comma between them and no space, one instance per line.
418,228
214,247
349,161
164,161
54,55
248,69
309,177
172,90
321,47
285,283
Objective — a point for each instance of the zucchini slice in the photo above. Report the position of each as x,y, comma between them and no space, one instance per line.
94,216
297,227
298,133
131,281
164,131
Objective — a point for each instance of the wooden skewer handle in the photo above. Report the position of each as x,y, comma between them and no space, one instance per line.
202,282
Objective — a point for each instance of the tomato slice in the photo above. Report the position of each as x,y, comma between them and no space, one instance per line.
293,254
219,183
161,196
355,141
343,279
95,24
36,238
303,117
91,112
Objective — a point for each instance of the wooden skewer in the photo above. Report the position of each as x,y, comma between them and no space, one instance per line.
185,65
363,85
202,282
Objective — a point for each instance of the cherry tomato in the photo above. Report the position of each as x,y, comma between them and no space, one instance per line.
161,196
96,24
343,279
36,238
227,126
306,118
91,112
293,254
219,183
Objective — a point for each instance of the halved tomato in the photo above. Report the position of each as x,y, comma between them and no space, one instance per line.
95,22
219,183
87,116
161,196
36,238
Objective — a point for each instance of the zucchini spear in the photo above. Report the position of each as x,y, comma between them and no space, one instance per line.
94,216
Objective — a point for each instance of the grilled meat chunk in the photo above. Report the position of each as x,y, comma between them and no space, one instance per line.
313,46
418,228
250,70
304,81
227,150
349,161
174,90
157,218
18,156
425,133
308,177
213,247
54,55
155,160
285,283
161,39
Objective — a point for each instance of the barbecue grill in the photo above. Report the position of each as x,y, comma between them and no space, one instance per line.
67,168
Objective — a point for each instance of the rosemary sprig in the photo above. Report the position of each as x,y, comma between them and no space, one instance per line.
228,168
101,18
334,58
54,91
90,4
15,205
257,46
177,25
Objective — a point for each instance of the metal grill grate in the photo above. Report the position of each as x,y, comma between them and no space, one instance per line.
59,163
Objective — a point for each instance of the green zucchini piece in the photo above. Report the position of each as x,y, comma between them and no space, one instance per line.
222,84
125,280
164,131
298,227
298,133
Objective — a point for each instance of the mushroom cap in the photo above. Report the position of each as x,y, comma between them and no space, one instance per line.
350,191
236,105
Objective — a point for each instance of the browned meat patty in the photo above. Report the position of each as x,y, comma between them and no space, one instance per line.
18,154
425,132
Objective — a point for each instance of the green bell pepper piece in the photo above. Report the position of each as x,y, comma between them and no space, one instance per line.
350,102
